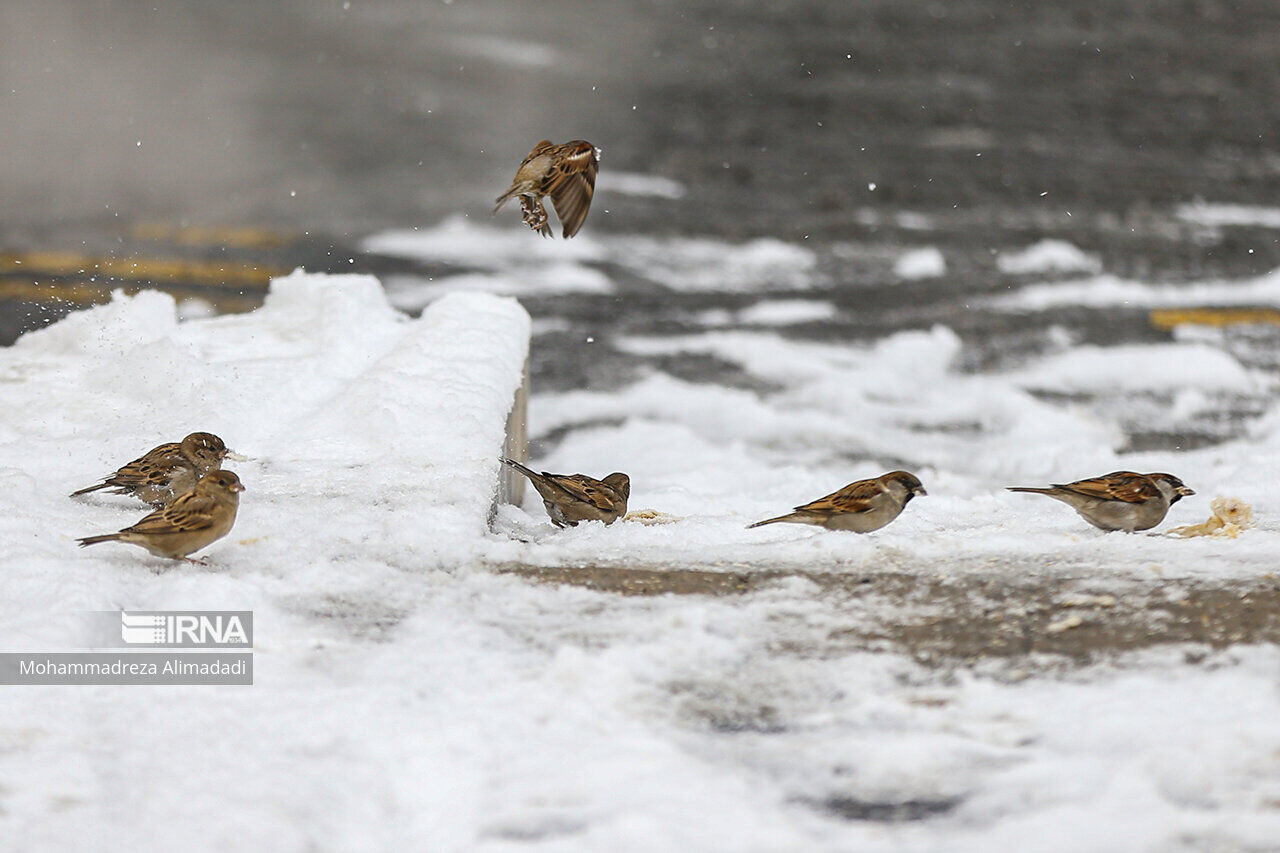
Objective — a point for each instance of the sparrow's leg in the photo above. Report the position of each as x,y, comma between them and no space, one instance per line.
200,562
535,215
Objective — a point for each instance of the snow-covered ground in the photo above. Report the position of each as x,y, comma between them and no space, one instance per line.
408,696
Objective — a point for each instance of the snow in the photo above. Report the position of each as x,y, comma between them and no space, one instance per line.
458,241
330,392
786,312
1104,290
686,264
406,690
920,263
632,183
413,293
1156,367
509,51
1047,256
1220,215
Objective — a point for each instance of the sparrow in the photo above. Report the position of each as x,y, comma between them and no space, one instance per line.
861,507
570,498
1121,500
199,518
565,172
165,472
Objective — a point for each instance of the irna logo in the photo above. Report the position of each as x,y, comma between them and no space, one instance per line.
186,628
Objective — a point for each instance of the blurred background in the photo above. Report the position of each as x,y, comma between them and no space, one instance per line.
201,147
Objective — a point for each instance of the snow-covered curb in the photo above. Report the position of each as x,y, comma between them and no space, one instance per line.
371,437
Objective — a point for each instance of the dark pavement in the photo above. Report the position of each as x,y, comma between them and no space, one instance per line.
202,147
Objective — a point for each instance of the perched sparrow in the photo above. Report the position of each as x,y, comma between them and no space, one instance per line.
861,507
570,498
167,471
1121,500
196,519
565,172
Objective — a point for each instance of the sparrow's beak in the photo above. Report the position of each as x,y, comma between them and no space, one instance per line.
1183,491
235,457
919,490
237,487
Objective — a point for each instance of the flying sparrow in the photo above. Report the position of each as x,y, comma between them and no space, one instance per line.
196,519
1121,500
861,507
165,472
570,498
565,172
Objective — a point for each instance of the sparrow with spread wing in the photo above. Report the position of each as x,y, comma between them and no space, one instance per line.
193,521
167,471
570,498
566,173
1121,500
861,507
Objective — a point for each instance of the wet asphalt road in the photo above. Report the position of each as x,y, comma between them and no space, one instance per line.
338,118
203,147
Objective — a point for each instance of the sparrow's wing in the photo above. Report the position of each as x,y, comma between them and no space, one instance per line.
855,497
152,469
588,490
572,183
538,150
1123,486
188,513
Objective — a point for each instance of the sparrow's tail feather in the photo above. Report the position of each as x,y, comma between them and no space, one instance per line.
793,517
501,201
94,540
528,472
546,486
1030,490
537,479
90,489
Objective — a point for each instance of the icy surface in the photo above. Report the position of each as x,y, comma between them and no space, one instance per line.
406,692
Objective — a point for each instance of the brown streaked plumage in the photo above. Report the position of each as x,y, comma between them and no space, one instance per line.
167,471
860,507
571,498
566,173
197,519
1121,500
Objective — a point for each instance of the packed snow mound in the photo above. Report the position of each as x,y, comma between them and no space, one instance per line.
363,428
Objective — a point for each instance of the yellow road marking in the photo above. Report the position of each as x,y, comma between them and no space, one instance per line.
216,273
85,293
75,293
1169,318
198,235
